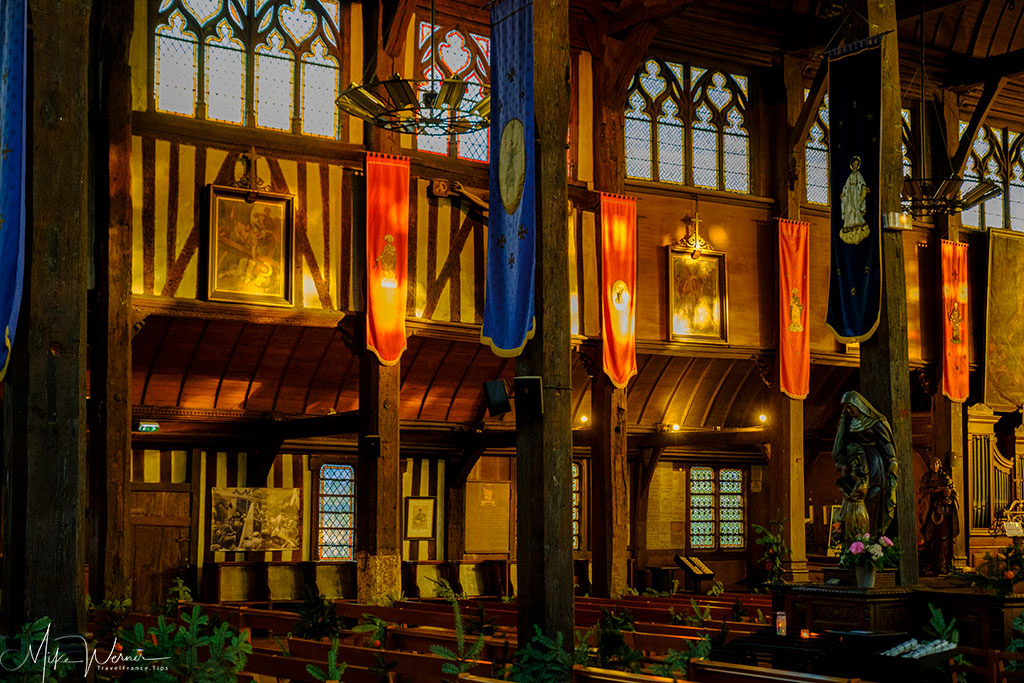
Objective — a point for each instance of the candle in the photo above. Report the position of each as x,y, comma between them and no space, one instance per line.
805,633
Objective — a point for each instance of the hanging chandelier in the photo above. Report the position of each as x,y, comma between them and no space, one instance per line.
427,106
940,196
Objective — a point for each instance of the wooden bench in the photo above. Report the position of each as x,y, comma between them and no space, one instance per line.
267,663
705,671
585,674
413,667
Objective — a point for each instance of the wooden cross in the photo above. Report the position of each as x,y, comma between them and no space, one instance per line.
250,180
5,152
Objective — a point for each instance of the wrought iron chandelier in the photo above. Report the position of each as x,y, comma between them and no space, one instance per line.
940,196
420,106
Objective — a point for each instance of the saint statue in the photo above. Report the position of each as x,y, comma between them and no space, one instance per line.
955,321
796,310
853,203
865,456
940,523
387,261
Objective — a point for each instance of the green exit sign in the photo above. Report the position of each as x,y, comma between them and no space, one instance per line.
149,426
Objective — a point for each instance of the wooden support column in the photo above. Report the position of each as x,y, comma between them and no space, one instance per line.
44,394
544,441
608,490
378,493
110,328
786,470
884,361
786,415
949,440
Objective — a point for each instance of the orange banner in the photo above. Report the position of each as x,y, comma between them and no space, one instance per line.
618,285
387,254
794,350
955,378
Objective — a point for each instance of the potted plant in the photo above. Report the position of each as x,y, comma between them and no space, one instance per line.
866,554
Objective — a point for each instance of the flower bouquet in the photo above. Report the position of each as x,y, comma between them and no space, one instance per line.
868,553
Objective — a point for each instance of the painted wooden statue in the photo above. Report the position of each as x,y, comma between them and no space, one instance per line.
865,456
940,523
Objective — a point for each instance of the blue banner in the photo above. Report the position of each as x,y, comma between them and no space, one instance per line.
12,170
511,223
855,114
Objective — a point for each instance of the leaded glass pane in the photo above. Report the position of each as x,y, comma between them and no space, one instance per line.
638,140
731,481
298,23
705,153
731,513
175,68
225,76
274,84
319,86
336,512
1016,187
717,93
736,153
670,145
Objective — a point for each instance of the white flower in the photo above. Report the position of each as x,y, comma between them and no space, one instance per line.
875,550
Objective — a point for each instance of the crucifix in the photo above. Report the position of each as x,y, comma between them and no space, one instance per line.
250,179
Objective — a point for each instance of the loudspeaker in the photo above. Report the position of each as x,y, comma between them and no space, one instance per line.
496,396
529,395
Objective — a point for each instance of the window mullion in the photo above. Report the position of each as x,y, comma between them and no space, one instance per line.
250,65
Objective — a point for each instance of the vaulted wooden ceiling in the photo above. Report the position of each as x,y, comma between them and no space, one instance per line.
193,365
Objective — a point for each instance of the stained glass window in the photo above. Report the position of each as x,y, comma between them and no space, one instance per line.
716,508
336,506
269,63
467,55
577,506
816,157
687,125
988,159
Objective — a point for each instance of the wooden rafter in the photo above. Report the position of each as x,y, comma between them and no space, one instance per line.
988,97
637,12
972,71
397,14
802,128
649,463
908,11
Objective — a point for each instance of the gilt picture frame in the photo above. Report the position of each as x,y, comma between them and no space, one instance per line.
249,246
420,516
698,300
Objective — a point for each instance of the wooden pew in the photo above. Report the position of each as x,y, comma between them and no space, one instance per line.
267,663
420,640
412,666
705,671
585,674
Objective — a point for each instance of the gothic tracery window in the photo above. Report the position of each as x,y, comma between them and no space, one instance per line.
462,53
688,125
268,63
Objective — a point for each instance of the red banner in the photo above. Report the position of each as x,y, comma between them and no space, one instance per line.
955,378
387,254
794,349
618,285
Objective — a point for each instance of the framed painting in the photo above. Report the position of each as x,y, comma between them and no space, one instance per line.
249,246
697,306
419,518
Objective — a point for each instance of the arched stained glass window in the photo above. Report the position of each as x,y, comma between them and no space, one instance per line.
467,55
268,63
336,513
688,125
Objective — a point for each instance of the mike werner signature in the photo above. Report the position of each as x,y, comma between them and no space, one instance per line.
116,658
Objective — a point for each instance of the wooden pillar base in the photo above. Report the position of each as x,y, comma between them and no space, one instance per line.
378,578
608,513
786,472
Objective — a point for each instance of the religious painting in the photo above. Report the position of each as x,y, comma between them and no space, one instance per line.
488,516
697,296
835,531
255,519
1004,335
249,247
419,518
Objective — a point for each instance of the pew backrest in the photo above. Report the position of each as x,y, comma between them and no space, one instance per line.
705,671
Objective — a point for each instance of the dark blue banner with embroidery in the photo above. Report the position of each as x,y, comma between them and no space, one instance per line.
511,224
855,112
12,170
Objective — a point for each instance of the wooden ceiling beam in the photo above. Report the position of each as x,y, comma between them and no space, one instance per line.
397,15
638,12
909,10
310,427
720,439
968,72
988,98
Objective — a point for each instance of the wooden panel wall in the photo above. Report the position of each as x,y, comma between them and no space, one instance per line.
424,477
169,180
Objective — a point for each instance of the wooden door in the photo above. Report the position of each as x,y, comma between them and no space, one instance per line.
161,529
